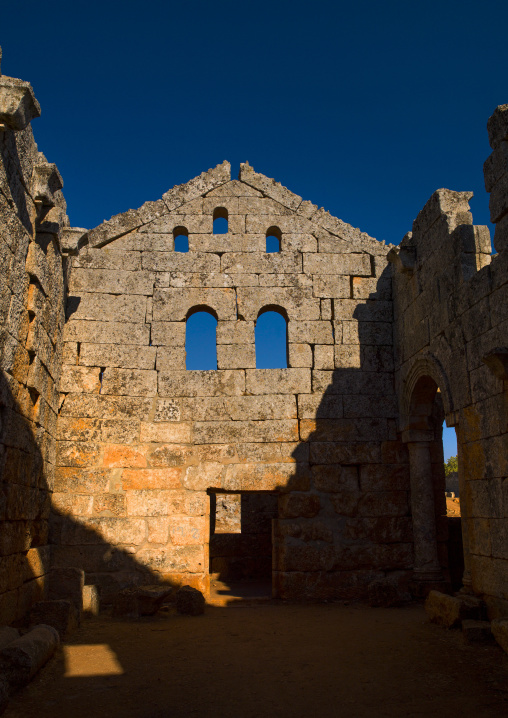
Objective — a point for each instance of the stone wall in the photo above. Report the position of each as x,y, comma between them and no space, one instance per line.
142,440
383,343
451,313
32,289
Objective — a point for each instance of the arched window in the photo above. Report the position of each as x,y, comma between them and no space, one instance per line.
271,340
220,220
181,237
273,239
201,340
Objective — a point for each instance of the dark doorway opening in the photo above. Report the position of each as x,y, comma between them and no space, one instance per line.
241,543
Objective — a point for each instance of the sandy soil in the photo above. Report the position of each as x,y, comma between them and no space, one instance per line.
274,660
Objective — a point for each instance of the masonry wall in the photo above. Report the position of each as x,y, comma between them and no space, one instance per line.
32,287
451,314
142,440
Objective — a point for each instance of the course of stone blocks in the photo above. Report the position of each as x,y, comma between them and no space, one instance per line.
113,453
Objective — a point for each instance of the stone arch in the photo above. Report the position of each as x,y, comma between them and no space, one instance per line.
419,386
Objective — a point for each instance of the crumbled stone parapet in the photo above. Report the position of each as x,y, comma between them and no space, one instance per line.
115,227
18,106
269,187
202,184
46,181
497,126
454,206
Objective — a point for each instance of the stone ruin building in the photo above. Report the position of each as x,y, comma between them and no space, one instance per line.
120,467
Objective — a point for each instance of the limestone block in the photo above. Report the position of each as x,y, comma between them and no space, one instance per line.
109,505
167,410
80,481
106,407
115,227
158,530
327,263
37,266
235,332
107,307
111,257
106,332
343,429
112,281
498,202
310,332
254,263
190,601
328,285
300,355
170,334
115,355
236,356
180,262
135,242
80,379
196,187
350,453
369,311
319,406
168,223
499,628
497,126
202,383
23,658
302,242
18,106
296,505
326,309
204,476
267,477
234,188
450,611
170,358
280,452
376,358
261,205
188,530
370,406
71,428
324,356
371,288
298,302
149,479
384,503
173,558
169,455
119,456
278,381
366,332
129,382
174,304
70,453
347,356
225,432
227,242
287,224
282,280
91,602
169,433
352,381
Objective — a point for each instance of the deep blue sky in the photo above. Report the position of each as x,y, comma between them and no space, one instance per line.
364,108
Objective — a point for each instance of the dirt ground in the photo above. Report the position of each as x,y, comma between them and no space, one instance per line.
274,660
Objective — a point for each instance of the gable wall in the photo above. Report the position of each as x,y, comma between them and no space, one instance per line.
140,448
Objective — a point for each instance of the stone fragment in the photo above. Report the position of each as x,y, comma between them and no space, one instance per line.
190,601
450,611
61,614
499,627
91,600
18,106
23,658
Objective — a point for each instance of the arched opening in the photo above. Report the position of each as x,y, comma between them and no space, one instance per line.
220,220
273,240
439,552
181,239
201,340
271,339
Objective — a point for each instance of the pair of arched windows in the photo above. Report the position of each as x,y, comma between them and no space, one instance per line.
270,337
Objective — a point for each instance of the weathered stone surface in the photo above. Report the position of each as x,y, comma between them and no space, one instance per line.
281,381
450,611
174,304
116,355
201,383
190,601
91,601
111,281
23,658
129,382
